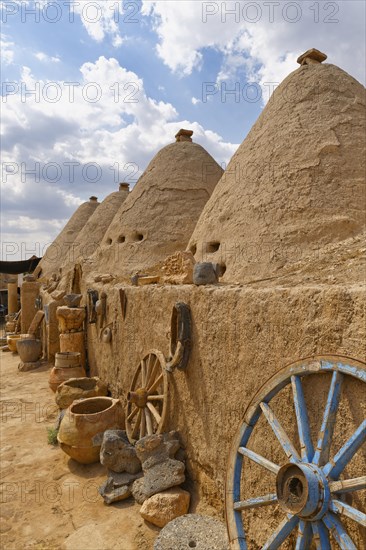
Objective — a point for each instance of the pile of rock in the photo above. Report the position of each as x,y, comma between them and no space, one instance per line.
149,471
124,467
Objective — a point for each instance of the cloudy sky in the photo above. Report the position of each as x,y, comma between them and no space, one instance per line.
91,90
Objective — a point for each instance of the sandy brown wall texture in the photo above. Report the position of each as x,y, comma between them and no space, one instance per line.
241,337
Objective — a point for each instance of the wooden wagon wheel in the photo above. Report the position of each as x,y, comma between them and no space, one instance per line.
307,487
147,399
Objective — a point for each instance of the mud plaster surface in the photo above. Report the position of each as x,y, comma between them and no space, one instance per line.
240,337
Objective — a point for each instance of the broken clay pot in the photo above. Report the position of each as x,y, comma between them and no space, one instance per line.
79,388
82,421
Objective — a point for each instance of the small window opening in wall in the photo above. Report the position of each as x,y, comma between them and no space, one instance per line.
136,237
109,241
212,247
121,239
193,249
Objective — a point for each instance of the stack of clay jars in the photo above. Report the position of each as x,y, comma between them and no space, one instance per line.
71,319
67,365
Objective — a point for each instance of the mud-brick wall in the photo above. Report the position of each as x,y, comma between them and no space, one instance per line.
241,337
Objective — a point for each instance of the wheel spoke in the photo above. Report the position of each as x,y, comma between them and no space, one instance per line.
137,425
335,467
265,500
133,414
339,507
143,425
152,372
155,384
281,533
148,366
143,373
304,536
154,412
267,464
148,421
155,398
339,533
348,485
321,455
280,433
307,449
320,535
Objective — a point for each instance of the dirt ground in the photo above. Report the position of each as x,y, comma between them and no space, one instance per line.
48,501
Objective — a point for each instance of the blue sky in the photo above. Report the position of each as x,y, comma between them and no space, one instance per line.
162,56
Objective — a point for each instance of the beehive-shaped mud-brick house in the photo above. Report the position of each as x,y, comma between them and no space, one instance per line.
295,186
60,251
90,237
159,215
294,191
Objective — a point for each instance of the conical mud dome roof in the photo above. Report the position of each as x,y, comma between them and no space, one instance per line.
91,235
59,251
160,213
297,182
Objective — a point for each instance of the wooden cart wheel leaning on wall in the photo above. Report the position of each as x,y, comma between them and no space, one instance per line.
147,400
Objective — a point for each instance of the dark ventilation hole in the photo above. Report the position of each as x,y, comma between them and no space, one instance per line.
109,241
121,239
137,237
192,544
221,268
212,247
193,249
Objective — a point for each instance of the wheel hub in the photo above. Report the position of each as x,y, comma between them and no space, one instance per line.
138,397
302,490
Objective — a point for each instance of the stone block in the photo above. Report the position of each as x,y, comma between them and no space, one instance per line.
163,507
118,454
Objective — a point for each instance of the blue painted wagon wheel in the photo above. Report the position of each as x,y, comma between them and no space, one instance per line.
307,488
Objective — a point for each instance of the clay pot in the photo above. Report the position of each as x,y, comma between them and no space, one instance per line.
79,388
67,359
67,365
82,421
11,340
29,349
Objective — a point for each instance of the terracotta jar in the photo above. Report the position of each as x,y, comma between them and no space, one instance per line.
67,365
11,340
79,388
29,349
85,419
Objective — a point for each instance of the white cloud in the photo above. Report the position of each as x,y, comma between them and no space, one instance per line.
6,50
58,140
101,19
41,56
262,40
195,101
